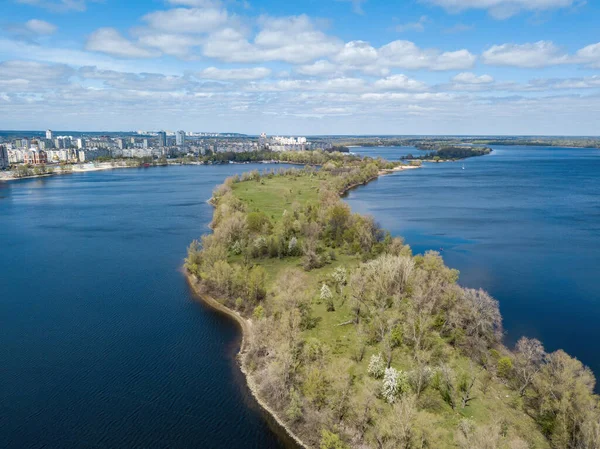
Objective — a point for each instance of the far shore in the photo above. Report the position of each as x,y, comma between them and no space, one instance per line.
77,168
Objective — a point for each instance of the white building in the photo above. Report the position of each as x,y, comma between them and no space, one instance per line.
49,134
180,138
80,143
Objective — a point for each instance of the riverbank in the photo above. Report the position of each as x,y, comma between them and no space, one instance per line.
244,325
77,168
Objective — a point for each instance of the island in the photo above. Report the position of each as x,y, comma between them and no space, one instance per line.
352,341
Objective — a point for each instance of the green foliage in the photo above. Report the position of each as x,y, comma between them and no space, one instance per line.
505,367
330,440
294,409
259,312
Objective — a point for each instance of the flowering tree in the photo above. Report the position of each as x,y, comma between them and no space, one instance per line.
376,366
394,383
340,278
327,297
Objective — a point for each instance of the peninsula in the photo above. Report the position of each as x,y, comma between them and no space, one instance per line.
352,341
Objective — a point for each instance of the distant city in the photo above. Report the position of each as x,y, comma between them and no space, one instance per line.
37,149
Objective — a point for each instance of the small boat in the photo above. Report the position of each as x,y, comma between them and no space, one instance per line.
463,166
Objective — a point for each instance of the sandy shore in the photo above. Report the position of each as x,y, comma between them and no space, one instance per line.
397,169
78,168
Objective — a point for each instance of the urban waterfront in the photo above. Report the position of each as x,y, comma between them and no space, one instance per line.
106,346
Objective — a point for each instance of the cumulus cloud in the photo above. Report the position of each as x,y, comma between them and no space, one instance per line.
40,27
503,9
318,68
407,55
589,55
530,55
177,45
293,39
187,20
356,53
110,41
471,78
400,82
252,73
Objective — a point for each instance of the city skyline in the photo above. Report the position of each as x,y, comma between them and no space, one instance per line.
439,67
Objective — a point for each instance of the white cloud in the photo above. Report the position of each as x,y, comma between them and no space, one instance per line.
171,44
418,26
471,78
187,20
295,40
33,76
252,73
319,68
589,55
110,41
400,82
356,53
40,27
530,55
407,55
503,9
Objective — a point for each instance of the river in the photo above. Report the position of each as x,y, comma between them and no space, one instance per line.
102,344
522,223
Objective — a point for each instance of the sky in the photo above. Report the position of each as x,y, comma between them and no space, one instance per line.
481,67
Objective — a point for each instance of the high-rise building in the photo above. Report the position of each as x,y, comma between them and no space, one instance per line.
80,143
145,144
162,139
120,143
180,138
49,134
3,157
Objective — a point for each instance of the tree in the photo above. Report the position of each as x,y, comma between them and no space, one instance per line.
376,366
330,440
327,297
340,278
529,357
394,383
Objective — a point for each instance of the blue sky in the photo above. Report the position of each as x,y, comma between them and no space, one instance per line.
302,67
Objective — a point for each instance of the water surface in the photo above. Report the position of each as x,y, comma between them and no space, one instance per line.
522,223
102,344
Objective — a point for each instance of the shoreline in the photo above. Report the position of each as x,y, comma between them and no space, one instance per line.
77,168
244,325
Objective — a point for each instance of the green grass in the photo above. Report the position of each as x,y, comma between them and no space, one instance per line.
273,196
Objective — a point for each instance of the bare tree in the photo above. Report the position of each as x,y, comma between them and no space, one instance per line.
529,358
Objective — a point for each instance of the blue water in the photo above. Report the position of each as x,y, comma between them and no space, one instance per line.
389,153
102,344
522,223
